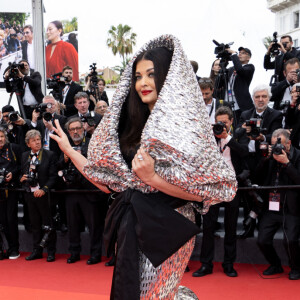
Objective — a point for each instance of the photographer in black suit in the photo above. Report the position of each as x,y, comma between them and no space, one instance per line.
239,79
281,91
28,83
263,121
38,175
287,51
68,92
10,161
233,151
92,207
282,207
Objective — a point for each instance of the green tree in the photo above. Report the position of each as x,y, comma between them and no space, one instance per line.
267,41
69,26
121,41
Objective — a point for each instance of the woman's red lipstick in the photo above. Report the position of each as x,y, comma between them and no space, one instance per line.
146,92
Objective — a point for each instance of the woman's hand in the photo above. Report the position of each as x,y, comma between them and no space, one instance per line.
61,138
143,166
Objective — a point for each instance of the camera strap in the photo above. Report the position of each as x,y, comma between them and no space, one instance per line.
212,107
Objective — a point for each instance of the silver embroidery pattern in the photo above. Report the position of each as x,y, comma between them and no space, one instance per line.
177,135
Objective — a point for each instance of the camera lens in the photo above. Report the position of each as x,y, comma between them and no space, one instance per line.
13,116
47,116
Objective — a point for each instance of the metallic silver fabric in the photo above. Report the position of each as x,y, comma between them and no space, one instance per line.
177,135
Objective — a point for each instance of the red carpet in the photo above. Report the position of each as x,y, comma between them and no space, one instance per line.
20,279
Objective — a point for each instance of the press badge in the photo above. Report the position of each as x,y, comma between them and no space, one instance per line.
274,201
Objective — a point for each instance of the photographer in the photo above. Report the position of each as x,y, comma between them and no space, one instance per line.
97,93
38,175
234,152
282,209
287,51
293,116
67,92
29,85
239,80
101,107
281,91
90,119
10,159
16,127
91,206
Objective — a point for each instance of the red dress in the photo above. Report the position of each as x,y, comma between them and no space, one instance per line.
63,55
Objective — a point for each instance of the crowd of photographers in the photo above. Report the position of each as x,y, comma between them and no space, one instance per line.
261,144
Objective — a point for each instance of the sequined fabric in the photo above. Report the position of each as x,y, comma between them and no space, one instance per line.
177,135
163,282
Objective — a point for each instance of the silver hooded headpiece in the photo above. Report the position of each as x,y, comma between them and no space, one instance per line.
178,135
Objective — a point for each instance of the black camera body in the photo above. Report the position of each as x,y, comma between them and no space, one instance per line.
13,116
278,147
70,175
284,106
274,51
42,109
218,128
256,130
89,118
56,84
3,173
221,52
14,69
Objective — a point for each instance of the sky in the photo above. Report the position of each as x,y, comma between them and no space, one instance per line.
195,22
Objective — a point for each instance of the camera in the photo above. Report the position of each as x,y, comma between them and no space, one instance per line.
218,128
70,175
14,69
47,230
13,116
256,130
56,83
221,52
278,147
41,108
274,51
3,173
284,106
89,118
94,74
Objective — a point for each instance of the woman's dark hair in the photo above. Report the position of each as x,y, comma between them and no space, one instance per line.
102,80
58,25
212,75
134,112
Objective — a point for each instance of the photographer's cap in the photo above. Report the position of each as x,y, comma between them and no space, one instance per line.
247,50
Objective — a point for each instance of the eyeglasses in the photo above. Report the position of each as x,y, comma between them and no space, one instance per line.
26,32
205,80
75,128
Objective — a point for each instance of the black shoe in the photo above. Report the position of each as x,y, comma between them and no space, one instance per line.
34,255
14,254
111,262
204,270
51,258
73,258
94,260
230,271
294,275
273,270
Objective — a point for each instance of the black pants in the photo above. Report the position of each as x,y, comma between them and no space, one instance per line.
269,225
209,225
79,206
39,216
9,218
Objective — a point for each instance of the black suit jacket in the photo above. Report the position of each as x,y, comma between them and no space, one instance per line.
243,78
278,90
47,171
34,82
272,120
279,61
289,175
69,101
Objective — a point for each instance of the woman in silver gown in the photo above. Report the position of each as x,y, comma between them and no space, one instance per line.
155,150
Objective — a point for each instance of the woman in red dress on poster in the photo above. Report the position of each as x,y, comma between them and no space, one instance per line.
59,53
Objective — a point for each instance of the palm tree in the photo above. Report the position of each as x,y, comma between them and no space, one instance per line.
267,41
121,40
